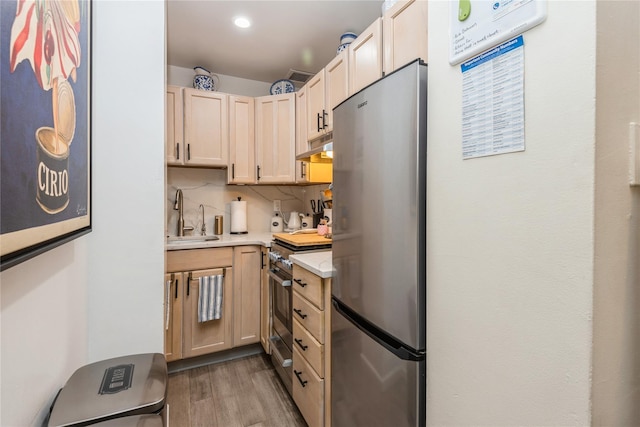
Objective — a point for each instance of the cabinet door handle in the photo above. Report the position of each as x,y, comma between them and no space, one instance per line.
176,284
324,115
303,383
233,170
300,282
303,167
258,172
318,122
299,313
189,282
177,151
302,346
188,151
262,264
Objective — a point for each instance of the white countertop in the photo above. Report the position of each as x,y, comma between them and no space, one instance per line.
262,239
319,263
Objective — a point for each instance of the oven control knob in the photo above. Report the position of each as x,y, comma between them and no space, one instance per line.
287,263
275,256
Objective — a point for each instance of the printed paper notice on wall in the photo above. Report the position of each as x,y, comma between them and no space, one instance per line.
478,25
493,101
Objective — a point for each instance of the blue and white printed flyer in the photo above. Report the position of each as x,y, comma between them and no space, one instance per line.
493,101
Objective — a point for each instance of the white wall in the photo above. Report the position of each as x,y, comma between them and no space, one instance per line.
616,357
44,329
100,295
179,76
127,262
510,239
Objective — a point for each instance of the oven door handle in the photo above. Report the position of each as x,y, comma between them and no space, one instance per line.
278,279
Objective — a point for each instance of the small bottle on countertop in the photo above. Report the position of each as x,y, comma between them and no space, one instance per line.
217,225
276,224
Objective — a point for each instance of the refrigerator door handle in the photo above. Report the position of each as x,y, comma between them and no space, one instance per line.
385,340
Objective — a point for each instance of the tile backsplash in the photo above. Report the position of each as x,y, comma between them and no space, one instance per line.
209,188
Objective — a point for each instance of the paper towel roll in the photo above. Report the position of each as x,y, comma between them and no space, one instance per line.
238,217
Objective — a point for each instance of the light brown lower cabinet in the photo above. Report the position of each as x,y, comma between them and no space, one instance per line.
213,335
308,391
312,346
240,320
265,303
246,295
173,316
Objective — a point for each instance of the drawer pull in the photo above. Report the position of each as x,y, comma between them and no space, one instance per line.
302,383
299,313
302,346
300,282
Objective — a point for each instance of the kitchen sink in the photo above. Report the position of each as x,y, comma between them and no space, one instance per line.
190,239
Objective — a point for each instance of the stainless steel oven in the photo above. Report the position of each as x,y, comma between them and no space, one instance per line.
280,287
280,279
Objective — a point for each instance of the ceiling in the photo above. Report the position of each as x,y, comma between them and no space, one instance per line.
301,35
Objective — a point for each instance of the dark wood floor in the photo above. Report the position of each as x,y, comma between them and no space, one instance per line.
243,392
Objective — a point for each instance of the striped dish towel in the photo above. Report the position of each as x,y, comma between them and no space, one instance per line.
210,299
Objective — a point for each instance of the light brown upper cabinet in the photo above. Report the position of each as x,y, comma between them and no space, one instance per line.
173,126
365,57
316,111
405,33
325,90
206,134
336,84
242,163
302,144
275,132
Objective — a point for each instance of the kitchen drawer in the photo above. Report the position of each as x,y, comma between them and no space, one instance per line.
308,391
309,316
198,259
309,285
309,347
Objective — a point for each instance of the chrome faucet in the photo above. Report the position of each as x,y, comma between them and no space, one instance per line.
203,230
178,206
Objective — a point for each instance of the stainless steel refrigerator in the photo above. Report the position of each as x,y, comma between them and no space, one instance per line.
378,332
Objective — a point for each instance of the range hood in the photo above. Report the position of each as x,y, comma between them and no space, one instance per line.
321,148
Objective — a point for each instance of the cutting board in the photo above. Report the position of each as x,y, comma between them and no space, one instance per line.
302,239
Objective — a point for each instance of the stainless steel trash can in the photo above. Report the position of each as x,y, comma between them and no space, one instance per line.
112,388
135,421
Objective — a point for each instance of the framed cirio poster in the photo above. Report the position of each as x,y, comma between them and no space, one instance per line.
45,116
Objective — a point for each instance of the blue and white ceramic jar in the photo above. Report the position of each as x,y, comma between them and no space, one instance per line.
203,79
347,37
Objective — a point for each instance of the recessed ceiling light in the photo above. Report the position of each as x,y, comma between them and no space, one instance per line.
242,22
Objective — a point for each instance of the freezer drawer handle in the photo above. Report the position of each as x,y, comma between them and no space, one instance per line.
388,342
300,282
303,383
302,346
299,313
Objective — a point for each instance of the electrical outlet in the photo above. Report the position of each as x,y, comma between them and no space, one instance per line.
276,206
